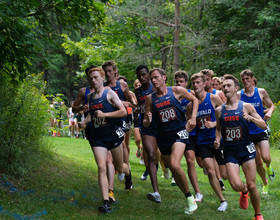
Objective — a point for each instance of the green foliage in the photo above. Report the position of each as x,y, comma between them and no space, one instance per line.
22,127
274,125
27,30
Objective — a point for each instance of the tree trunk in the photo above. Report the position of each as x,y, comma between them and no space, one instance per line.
163,54
176,36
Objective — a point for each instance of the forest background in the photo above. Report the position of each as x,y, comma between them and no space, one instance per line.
46,45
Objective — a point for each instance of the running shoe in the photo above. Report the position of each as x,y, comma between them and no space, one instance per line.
138,153
259,217
222,185
191,205
173,182
223,206
154,197
145,175
166,173
141,161
243,201
128,181
198,197
111,196
121,176
265,188
270,172
105,208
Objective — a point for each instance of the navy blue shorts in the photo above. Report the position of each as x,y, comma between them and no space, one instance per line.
209,151
150,131
192,144
240,153
109,139
88,131
165,140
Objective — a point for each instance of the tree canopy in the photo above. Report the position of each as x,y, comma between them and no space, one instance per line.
61,38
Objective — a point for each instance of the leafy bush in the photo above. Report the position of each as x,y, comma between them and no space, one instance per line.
274,125
22,124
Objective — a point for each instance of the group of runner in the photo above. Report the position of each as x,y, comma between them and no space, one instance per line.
221,130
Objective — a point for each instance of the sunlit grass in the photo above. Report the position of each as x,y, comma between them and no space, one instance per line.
67,188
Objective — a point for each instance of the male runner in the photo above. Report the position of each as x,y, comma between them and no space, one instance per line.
259,98
106,109
233,119
81,104
122,90
205,133
164,107
181,79
148,134
209,74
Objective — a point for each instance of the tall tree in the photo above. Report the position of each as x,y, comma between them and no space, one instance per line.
177,36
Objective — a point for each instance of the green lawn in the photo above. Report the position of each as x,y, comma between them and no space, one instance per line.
67,188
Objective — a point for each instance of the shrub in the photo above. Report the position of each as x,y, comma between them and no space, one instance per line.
22,127
274,125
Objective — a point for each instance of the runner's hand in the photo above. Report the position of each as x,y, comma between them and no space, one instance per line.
216,144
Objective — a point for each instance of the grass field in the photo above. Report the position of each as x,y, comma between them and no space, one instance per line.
67,188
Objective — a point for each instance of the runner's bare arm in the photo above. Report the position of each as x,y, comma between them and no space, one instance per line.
114,100
250,114
79,101
217,141
148,109
128,95
268,103
83,123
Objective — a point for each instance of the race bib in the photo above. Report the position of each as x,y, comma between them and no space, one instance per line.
233,134
167,114
184,134
200,121
99,122
251,148
126,125
142,108
119,132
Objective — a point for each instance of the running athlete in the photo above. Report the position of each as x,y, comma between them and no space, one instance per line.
209,74
216,83
106,109
259,98
136,125
205,133
122,90
128,119
233,119
81,104
220,170
181,79
70,115
148,134
164,107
